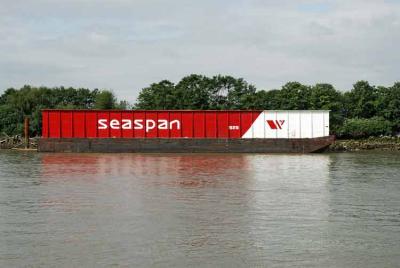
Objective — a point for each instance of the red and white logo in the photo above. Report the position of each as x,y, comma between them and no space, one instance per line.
275,124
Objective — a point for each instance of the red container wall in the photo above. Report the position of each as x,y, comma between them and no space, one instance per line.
146,124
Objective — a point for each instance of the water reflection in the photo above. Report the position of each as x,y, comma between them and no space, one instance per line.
214,210
210,205
185,170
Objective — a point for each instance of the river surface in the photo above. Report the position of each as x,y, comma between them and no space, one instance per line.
201,210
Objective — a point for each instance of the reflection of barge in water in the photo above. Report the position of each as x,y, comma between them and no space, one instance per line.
181,131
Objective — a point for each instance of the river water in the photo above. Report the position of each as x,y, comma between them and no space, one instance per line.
202,210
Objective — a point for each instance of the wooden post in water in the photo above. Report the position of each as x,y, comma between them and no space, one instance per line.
26,132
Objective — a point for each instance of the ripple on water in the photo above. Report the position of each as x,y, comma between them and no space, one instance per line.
330,210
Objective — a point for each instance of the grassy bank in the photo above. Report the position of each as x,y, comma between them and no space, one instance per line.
372,143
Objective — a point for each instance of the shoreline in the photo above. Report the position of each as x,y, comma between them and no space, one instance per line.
366,144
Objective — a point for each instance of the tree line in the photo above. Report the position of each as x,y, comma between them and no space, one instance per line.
16,104
363,111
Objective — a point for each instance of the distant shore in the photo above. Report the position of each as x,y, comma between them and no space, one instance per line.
372,143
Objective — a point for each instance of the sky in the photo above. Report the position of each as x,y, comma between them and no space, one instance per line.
125,45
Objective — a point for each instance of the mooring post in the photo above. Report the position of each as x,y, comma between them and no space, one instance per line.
26,132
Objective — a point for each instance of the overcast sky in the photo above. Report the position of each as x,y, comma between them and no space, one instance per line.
125,45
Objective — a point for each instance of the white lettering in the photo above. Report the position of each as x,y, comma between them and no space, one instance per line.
102,123
163,124
177,122
150,124
126,124
138,124
114,124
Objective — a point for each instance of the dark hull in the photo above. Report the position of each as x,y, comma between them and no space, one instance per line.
157,145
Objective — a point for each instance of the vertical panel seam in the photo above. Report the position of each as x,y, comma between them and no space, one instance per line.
312,124
288,125
59,124
97,125
300,117
48,124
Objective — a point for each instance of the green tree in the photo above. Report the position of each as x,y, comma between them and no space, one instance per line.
10,120
123,105
198,92
192,92
365,127
360,102
157,96
227,92
267,100
388,104
294,96
105,100
15,104
326,97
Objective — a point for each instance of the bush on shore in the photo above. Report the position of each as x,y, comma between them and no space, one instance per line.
365,127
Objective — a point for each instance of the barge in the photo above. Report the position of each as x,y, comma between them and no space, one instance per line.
185,131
